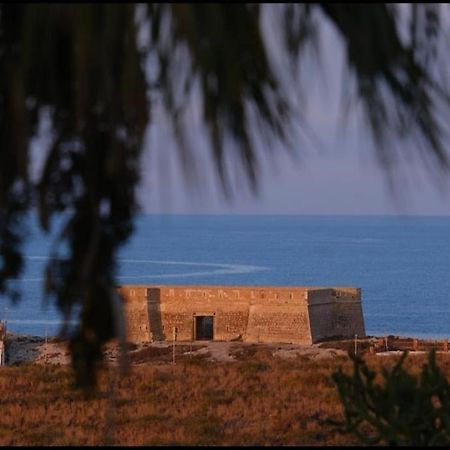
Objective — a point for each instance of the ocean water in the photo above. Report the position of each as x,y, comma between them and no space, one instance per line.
402,264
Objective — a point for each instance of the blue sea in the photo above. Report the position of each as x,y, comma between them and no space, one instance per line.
402,264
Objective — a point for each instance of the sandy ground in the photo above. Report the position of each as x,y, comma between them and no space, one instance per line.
22,349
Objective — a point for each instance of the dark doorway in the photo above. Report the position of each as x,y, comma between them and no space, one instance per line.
204,328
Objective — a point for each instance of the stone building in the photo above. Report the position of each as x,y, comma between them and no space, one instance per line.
302,315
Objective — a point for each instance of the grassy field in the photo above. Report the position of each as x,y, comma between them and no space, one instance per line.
257,400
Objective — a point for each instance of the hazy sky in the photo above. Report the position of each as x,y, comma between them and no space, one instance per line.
339,176
334,174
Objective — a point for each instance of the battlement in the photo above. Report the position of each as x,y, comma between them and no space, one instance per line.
251,313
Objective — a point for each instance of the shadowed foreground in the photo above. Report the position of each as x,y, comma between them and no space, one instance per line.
258,398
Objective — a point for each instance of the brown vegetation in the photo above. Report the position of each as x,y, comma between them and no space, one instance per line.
258,399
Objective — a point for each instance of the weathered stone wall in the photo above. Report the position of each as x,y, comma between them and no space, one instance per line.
282,323
335,313
253,314
136,311
349,314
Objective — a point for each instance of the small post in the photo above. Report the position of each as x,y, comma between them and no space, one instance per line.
446,345
173,347
386,343
45,347
5,321
415,345
380,343
356,344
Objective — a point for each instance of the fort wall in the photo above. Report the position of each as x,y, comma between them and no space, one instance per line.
249,313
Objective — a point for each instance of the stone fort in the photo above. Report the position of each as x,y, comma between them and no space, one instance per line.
301,315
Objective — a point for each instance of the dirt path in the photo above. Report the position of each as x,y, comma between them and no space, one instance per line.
218,351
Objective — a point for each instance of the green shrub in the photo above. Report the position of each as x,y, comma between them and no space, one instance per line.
405,410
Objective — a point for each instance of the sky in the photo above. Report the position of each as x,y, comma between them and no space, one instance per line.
333,173
337,175
337,183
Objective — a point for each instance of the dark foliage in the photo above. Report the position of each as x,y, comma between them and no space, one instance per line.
404,410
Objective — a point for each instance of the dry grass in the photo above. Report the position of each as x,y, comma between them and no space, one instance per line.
258,400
